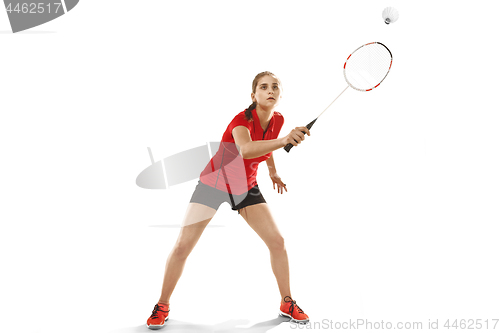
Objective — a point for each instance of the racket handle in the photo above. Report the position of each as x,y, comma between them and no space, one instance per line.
290,146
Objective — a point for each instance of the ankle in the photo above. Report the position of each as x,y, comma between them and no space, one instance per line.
164,303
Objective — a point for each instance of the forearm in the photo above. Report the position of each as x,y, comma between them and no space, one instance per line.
271,166
254,149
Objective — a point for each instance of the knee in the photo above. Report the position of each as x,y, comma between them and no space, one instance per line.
181,251
277,244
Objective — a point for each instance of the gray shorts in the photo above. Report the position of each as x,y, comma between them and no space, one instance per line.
212,197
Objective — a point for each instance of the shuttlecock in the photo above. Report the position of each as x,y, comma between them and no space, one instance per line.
390,15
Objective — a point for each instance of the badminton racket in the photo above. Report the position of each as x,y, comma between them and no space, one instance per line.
364,70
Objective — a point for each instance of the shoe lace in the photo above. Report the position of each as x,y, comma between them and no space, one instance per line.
293,304
154,314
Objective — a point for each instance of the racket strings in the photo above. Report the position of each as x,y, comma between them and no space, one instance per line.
367,66
367,70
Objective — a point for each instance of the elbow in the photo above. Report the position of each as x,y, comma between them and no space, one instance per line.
243,152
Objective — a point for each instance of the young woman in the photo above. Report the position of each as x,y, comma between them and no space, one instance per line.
250,138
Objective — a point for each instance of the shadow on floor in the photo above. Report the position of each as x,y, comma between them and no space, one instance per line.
176,326
179,226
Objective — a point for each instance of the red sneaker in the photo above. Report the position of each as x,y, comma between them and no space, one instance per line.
291,309
159,316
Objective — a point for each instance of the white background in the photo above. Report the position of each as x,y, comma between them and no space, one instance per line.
392,211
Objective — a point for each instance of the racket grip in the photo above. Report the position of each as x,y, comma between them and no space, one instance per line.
290,146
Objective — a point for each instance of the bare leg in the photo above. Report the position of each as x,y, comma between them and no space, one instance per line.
259,218
196,219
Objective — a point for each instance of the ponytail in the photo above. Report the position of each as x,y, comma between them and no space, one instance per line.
248,111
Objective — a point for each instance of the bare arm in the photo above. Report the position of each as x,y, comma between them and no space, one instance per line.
273,173
253,149
271,166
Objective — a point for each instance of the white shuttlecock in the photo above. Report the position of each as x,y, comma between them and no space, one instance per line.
390,15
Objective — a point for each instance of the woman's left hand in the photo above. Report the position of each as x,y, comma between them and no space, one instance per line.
277,181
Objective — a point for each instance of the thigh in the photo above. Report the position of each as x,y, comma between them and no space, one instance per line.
260,219
196,219
197,215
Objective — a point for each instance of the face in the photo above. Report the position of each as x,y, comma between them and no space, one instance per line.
268,92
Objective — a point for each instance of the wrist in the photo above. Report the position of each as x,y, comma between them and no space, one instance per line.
283,141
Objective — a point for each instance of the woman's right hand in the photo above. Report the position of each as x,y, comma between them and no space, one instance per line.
296,136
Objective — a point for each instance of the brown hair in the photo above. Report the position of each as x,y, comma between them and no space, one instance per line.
248,111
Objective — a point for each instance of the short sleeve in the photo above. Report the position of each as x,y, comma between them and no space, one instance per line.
239,120
279,121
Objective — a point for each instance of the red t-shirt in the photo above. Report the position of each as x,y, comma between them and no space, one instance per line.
227,170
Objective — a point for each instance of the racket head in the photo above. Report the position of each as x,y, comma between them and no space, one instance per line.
367,66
